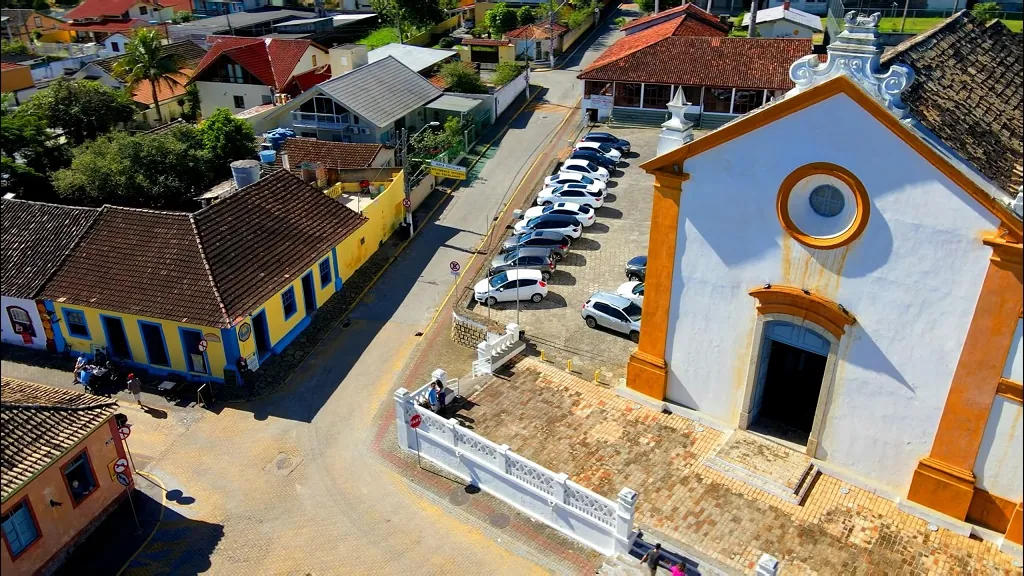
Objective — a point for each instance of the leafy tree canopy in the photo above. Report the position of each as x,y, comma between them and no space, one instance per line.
985,11
226,139
526,15
418,13
501,19
29,153
145,61
430,143
506,72
462,78
81,109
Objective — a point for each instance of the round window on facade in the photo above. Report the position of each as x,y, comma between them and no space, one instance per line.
822,205
827,201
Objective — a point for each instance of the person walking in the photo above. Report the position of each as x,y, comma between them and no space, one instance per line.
432,397
135,388
678,569
651,558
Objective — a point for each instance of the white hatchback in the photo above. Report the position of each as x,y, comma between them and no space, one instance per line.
600,148
585,167
633,291
563,178
574,195
511,285
584,213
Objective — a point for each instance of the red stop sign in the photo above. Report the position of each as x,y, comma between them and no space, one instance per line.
415,421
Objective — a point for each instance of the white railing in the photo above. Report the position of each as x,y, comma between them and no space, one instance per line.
551,498
321,120
70,50
481,367
451,389
497,349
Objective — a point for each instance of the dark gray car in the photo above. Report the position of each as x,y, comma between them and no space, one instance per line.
636,268
524,258
556,242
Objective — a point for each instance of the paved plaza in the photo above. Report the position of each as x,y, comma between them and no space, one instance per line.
606,442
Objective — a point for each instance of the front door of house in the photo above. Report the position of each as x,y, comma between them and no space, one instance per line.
308,293
261,333
117,339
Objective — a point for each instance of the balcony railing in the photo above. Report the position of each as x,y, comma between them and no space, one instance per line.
335,121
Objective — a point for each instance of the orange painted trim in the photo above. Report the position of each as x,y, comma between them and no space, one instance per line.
1005,252
1009,389
860,194
1015,531
990,511
943,488
796,302
820,93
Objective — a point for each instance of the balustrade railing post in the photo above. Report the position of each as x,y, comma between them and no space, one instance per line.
503,458
403,411
624,515
560,489
453,425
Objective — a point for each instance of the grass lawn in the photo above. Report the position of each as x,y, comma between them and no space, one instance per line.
379,38
889,24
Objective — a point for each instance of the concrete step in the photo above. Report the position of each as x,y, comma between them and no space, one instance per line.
626,116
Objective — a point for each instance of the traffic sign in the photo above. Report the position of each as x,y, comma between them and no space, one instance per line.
445,170
123,479
415,421
124,432
407,203
120,465
202,345
454,266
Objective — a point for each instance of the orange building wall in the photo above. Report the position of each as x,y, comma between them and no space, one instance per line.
61,524
15,78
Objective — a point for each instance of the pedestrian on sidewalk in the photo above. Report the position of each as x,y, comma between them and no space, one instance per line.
135,388
652,558
432,397
678,570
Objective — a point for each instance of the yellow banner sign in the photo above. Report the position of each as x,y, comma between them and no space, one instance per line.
444,170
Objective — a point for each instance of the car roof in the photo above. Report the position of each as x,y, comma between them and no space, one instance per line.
602,134
523,274
638,260
534,251
613,299
556,217
576,162
550,234
573,175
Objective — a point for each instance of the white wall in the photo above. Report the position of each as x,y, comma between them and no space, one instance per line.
1014,367
783,29
109,44
169,110
7,330
1000,464
306,62
507,94
103,78
215,95
912,281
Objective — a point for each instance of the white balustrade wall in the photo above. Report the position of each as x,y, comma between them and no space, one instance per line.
551,498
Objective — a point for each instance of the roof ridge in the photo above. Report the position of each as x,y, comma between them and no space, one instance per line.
209,271
54,204
57,408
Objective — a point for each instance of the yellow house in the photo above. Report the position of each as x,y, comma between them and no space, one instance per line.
190,294
25,25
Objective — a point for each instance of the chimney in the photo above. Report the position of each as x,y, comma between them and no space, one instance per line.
785,5
284,162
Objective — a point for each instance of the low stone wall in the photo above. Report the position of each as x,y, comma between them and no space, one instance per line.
469,329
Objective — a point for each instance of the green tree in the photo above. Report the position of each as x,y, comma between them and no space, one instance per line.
462,78
580,13
432,142
501,19
144,61
190,104
226,139
16,48
506,72
526,15
40,5
28,154
417,13
985,11
182,17
81,109
648,5
143,171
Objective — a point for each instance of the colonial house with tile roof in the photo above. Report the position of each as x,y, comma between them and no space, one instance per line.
534,41
95,20
840,271
23,25
173,292
239,73
35,238
721,77
690,20
57,472
334,157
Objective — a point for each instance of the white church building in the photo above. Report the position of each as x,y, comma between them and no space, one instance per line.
840,270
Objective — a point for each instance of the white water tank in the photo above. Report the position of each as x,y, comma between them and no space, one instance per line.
245,172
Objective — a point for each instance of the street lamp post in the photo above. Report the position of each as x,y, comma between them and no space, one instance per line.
407,177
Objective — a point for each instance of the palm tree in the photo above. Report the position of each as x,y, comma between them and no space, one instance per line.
144,60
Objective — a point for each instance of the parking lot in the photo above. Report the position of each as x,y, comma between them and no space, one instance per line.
595,262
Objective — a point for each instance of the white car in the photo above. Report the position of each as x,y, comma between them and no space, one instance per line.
600,148
568,226
593,189
585,214
511,285
563,178
633,291
574,195
585,167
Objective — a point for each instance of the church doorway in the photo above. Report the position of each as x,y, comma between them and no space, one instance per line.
789,378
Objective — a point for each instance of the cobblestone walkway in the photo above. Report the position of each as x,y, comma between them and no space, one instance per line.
606,442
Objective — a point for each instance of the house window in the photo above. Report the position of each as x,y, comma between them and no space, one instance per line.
627,95
239,102
19,528
79,477
233,73
75,321
38,21
827,201
21,320
657,96
143,10
268,99
288,302
325,272
717,100
115,47
195,357
313,56
747,100
591,87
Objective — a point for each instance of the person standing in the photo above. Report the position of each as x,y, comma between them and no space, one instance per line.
651,558
135,388
432,397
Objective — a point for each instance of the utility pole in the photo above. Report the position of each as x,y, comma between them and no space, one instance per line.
551,33
656,5
903,22
752,29
406,176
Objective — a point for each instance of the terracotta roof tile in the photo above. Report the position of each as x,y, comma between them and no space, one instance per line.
36,238
108,26
702,61
98,8
188,52
484,42
632,43
271,60
537,31
337,155
143,93
10,65
688,9
40,424
969,91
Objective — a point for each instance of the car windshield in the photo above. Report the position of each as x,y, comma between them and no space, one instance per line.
498,280
584,209
638,289
633,311
586,180
591,166
604,148
511,256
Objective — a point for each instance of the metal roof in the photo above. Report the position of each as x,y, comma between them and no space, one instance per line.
781,13
382,91
452,103
238,20
415,57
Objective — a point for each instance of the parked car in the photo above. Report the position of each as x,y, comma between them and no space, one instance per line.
606,138
563,178
636,269
583,213
600,147
529,258
510,286
632,291
585,167
613,312
567,225
566,194
557,243
596,157
593,189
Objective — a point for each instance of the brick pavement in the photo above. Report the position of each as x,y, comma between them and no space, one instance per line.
606,442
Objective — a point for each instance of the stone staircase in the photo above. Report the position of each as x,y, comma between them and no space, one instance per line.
641,118
765,465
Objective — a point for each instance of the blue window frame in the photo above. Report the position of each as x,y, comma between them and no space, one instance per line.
195,358
288,302
76,323
325,272
19,528
155,344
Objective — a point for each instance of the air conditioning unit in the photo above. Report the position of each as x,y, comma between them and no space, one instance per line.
352,129
364,130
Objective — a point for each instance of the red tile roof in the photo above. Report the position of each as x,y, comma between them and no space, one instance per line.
629,44
335,155
98,8
108,26
306,80
484,42
701,61
688,9
10,65
537,31
271,60
143,92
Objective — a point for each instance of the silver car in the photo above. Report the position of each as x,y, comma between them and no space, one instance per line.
613,312
529,258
